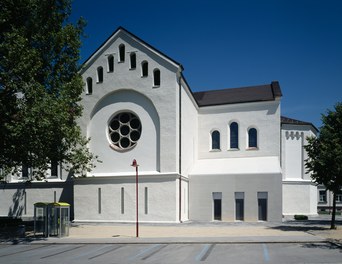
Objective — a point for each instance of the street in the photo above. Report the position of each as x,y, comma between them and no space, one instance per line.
172,253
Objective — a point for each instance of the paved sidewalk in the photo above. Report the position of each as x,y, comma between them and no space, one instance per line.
198,232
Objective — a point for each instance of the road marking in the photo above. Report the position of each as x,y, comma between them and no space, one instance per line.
17,252
58,253
266,255
144,251
206,250
154,252
106,252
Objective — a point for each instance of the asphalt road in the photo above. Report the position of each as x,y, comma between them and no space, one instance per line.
171,253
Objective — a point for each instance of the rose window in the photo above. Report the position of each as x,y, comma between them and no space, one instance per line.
124,131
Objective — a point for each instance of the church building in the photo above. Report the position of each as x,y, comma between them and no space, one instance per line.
225,155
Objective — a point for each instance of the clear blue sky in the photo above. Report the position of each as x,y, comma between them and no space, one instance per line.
228,44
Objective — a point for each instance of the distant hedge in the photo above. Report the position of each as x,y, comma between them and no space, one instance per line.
301,217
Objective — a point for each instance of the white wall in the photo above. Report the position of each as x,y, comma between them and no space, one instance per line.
264,116
161,102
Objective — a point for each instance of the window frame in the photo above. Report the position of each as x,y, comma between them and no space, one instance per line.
212,142
132,60
110,63
249,147
156,77
89,85
144,72
230,136
122,51
99,74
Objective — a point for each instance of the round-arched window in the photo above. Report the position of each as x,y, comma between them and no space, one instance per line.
124,131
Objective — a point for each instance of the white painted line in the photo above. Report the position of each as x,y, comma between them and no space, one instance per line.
266,255
144,251
205,250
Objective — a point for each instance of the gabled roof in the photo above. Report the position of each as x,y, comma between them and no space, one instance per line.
291,121
125,31
268,92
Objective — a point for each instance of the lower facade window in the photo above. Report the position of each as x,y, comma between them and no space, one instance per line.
322,196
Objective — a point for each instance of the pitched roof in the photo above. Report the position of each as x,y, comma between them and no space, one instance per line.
268,92
291,121
121,29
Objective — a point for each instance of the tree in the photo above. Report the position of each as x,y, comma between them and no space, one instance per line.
40,88
325,155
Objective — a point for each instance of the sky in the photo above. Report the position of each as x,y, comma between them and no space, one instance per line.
236,43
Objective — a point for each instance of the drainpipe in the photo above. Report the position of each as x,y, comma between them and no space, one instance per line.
179,77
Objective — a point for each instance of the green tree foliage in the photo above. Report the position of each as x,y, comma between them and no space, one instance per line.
40,87
325,154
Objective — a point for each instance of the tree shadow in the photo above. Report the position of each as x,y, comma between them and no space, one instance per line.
306,225
328,245
17,207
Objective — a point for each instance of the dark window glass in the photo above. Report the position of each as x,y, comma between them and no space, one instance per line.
133,59
122,52
234,135
89,85
156,77
252,138
215,140
110,63
144,69
100,74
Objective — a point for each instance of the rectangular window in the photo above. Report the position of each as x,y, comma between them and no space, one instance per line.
54,168
122,200
146,200
239,206
217,196
262,206
99,200
323,196
339,197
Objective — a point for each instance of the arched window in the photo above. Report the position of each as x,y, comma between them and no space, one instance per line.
252,138
144,69
100,74
110,63
215,140
133,60
89,85
122,53
234,135
156,77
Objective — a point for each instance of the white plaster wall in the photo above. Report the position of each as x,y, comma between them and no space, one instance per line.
162,199
202,187
147,149
264,116
18,199
299,198
162,98
189,132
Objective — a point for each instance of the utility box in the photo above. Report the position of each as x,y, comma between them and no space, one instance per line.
52,219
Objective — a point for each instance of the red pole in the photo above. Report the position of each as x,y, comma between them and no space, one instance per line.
136,188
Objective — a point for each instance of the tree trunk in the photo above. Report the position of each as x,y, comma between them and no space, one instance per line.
332,225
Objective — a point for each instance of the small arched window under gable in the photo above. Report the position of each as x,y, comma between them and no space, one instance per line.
89,85
252,138
234,135
110,61
144,69
121,53
215,140
133,60
156,77
100,74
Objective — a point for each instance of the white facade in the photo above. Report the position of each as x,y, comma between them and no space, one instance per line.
215,155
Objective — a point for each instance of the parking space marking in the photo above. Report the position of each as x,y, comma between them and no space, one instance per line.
17,252
266,255
202,256
144,251
106,252
154,252
58,253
